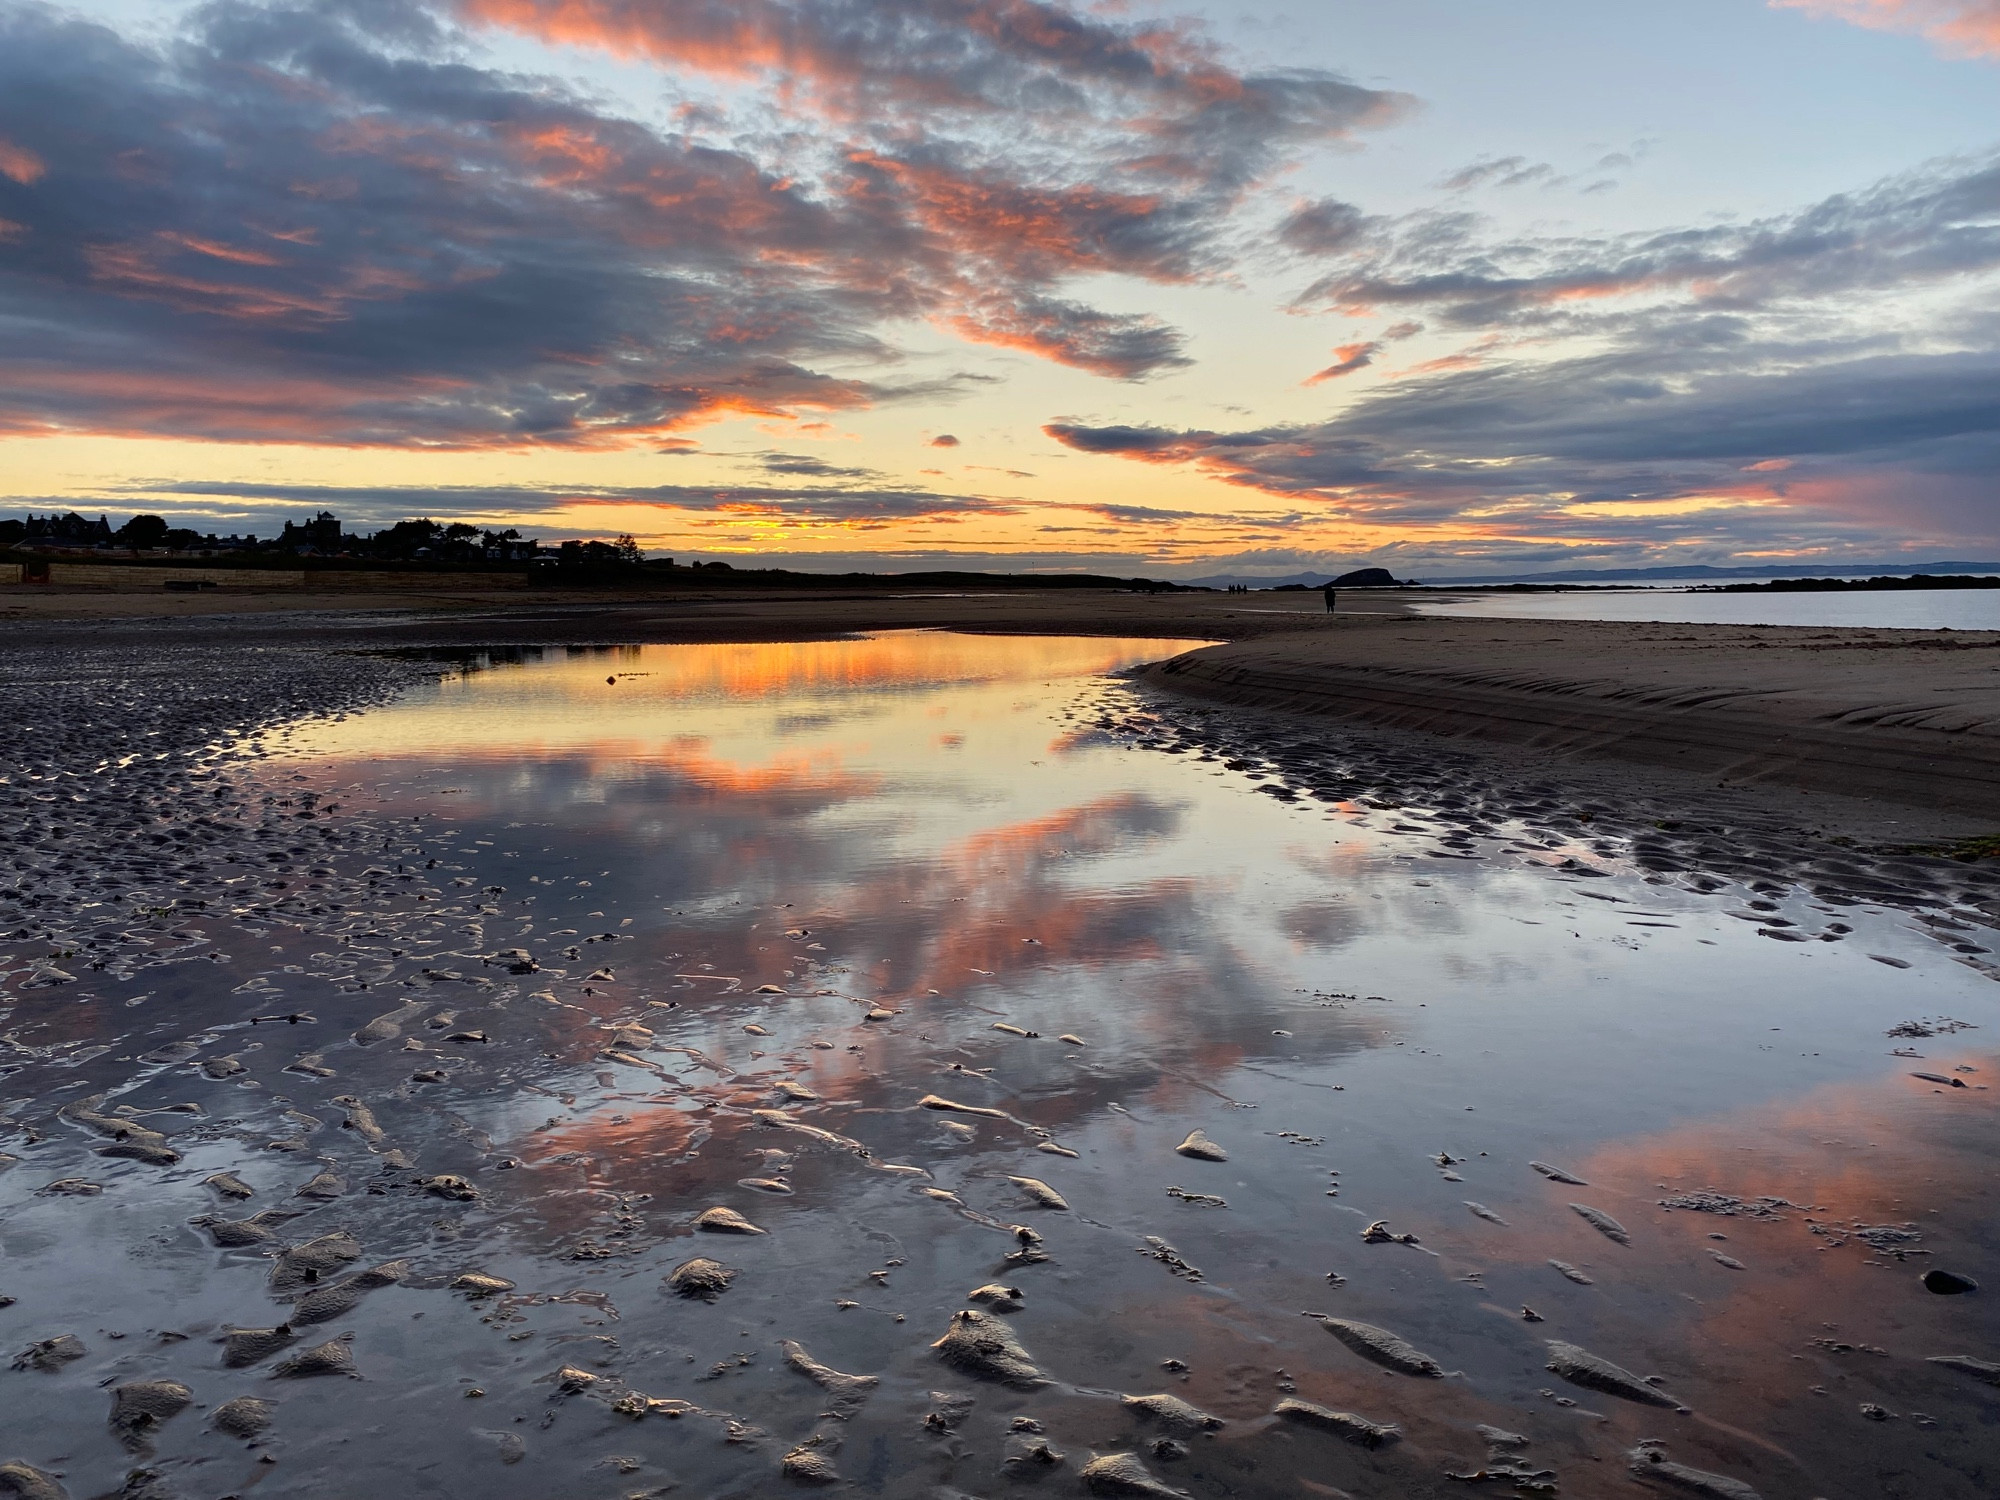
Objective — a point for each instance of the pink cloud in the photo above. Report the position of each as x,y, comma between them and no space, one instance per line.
1347,359
1960,28
19,163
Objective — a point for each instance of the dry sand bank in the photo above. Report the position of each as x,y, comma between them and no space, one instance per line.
1903,718
665,615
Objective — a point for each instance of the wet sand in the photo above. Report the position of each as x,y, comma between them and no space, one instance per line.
1886,736
281,914
1900,718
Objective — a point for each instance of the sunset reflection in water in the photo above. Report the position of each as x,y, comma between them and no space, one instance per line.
775,895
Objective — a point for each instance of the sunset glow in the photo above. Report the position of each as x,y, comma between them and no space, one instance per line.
1015,284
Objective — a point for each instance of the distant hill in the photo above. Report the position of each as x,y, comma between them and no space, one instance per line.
1696,573
1693,573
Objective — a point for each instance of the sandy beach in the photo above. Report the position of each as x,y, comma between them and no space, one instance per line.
936,1044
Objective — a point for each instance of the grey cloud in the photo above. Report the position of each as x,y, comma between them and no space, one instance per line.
1325,227
1502,172
380,504
1517,445
1150,98
317,222
1939,222
806,465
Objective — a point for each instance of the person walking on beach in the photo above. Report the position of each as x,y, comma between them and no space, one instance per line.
1329,598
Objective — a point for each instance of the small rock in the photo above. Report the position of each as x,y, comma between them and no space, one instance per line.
725,1221
1201,1148
480,1284
701,1279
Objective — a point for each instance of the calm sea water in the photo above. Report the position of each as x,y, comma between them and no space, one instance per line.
1919,609
650,931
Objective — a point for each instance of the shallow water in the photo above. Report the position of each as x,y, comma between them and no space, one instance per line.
1379,1013
1916,609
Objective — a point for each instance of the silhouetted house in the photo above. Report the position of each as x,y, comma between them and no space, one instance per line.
66,532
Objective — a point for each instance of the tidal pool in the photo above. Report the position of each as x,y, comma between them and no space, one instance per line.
611,938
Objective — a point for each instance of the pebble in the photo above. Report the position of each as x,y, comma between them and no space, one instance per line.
480,1284
701,1279
725,1221
1201,1148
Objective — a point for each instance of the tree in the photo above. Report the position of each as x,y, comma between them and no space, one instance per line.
143,532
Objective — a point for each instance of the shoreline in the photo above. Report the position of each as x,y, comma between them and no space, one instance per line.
1882,732
1881,735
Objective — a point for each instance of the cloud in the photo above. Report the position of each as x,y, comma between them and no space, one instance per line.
1325,227
1502,172
1960,28
1934,224
19,164
317,221
1618,451
371,505
944,440
807,466
1156,100
1347,359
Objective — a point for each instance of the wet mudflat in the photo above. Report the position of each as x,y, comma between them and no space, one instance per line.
930,1066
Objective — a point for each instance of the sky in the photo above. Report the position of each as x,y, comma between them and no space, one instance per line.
1446,286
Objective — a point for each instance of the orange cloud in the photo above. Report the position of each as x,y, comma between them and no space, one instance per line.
1347,359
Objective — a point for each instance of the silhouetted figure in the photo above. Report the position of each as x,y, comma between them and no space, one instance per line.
1329,598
